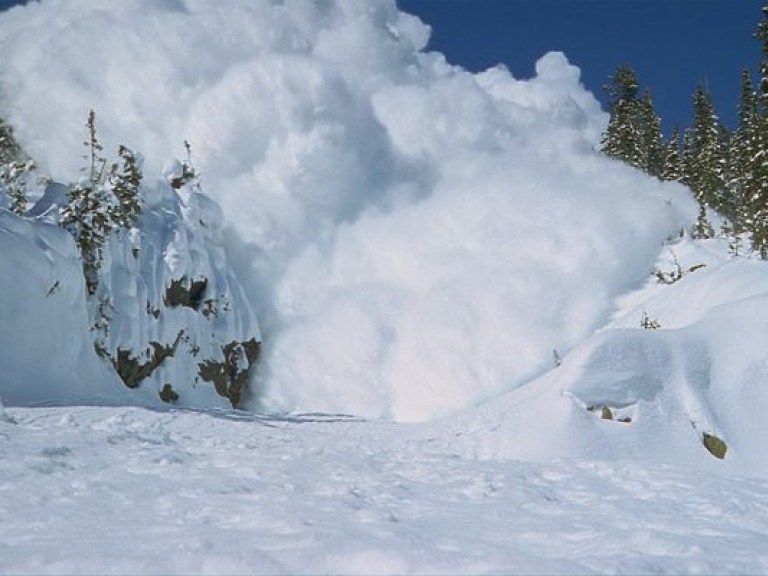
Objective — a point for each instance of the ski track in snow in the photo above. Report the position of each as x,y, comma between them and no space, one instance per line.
128,490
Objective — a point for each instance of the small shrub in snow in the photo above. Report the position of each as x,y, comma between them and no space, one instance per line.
648,323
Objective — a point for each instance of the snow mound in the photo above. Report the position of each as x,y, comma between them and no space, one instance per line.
689,392
415,238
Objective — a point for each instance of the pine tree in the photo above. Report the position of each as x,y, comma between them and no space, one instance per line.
622,138
672,165
15,169
188,173
756,189
740,183
633,134
686,161
762,35
705,162
14,175
9,148
707,150
87,213
125,181
652,141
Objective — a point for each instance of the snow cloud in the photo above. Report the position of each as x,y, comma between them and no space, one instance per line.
416,238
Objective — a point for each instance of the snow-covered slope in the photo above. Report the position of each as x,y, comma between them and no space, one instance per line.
415,238
688,390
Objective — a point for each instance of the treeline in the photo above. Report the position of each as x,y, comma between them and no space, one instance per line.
726,170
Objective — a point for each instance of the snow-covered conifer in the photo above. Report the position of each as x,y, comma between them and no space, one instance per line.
652,140
671,165
622,138
15,169
125,181
87,215
634,129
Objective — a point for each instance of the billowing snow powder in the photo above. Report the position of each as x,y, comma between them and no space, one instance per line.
415,238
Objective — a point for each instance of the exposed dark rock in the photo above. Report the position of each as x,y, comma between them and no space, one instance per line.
230,375
716,446
168,394
183,292
132,371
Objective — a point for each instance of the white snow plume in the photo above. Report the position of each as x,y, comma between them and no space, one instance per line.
420,237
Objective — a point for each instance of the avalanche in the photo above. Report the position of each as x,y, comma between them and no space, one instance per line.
468,362
414,238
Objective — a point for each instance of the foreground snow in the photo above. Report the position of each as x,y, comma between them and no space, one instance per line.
107,490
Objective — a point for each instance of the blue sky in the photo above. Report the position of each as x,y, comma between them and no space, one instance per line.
672,44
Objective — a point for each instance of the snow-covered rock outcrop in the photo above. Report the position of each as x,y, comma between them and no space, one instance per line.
167,322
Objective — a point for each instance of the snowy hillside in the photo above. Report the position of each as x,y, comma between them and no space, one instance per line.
460,338
669,392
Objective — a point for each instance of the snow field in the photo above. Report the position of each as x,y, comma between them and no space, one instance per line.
102,490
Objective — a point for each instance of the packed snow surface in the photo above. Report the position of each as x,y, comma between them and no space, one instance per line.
415,238
116,491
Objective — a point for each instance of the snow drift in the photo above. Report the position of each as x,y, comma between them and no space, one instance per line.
415,238
688,393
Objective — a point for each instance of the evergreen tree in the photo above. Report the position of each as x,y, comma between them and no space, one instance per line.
9,148
686,161
707,150
622,139
15,169
742,189
633,134
762,35
125,181
652,141
187,173
756,188
705,164
672,165
14,176
87,213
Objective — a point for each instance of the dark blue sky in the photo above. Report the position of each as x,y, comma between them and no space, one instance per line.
671,44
